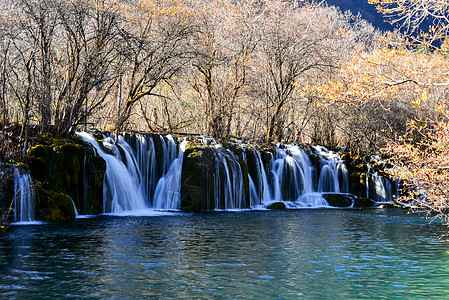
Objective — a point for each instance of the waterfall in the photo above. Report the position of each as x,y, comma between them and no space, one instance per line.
226,176
254,199
263,175
23,197
333,174
74,207
136,179
378,187
292,178
343,177
121,190
168,189
228,180
144,171
276,174
311,200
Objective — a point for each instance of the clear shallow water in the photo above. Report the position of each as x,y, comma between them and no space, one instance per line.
374,253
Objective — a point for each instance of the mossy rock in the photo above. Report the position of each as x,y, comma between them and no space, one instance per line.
39,162
53,206
197,178
339,200
277,206
66,172
61,168
345,156
50,141
392,205
363,202
6,193
96,168
267,155
23,166
357,183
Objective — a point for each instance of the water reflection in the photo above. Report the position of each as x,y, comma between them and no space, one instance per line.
259,255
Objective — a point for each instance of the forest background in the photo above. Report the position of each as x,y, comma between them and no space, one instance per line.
261,71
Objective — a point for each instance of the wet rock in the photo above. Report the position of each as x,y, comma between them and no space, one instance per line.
363,202
197,179
339,200
53,206
6,193
71,169
277,205
392,205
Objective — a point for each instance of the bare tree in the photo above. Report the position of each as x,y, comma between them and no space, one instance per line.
153,36
223,47
39,21
84,60
294,42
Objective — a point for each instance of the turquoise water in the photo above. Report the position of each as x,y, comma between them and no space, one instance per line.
333,254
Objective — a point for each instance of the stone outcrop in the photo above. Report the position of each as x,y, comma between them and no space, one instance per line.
69,168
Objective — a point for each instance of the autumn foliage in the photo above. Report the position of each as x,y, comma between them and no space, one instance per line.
292,71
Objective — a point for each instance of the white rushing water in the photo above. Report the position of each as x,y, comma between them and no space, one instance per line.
168,189
131,183
121,190
381,187
24,197
77,215
294,178
139,178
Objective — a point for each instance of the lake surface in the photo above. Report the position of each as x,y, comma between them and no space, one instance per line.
333,253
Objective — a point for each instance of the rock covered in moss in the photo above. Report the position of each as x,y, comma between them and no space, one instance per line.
6,193
53,206
393,205
363,202
197,179
69,168
203,165
339,200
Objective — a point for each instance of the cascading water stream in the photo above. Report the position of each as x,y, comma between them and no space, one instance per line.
378,187
168,189
144,171
131,182
229,190
263,175
259,189
74,208
333,173
276,172
24,196
121,190
297,175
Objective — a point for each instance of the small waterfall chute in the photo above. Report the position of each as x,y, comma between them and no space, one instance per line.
266,193
311,200
74,207
378,187
328,181
167,195
229,192
333,172
343,177
24,196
